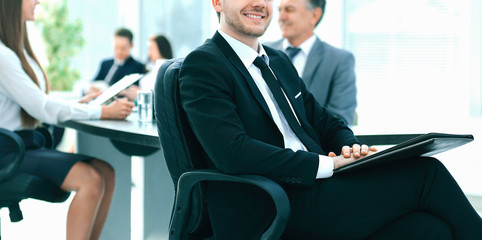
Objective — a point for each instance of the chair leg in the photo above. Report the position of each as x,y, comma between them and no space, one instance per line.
15,213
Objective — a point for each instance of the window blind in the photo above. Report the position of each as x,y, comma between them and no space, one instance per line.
411,58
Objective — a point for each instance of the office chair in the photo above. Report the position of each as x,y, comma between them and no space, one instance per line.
16,186
188,167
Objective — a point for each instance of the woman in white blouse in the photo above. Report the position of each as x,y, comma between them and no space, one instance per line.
24,103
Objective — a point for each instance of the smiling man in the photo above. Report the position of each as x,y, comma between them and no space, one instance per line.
252,114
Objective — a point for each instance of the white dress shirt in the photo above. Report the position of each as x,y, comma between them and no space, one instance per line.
247,56
299,60
18,90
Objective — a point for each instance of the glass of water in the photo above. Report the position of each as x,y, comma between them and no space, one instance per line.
144,106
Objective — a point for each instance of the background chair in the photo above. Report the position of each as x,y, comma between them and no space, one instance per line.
16,186
188,168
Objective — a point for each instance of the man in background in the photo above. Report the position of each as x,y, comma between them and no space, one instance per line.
328,72
113,69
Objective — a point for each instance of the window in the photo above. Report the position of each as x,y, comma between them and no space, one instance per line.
413,60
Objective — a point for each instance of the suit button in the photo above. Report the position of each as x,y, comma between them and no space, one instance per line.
287,179
298,180
282,178
294,180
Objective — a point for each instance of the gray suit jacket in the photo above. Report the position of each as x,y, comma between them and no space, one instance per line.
329,75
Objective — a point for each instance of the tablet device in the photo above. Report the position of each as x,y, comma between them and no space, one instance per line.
116,88
424,145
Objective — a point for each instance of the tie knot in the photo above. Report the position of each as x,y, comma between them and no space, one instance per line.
292,51
260,63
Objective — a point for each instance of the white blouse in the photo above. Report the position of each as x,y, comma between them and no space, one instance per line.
149,80
18,90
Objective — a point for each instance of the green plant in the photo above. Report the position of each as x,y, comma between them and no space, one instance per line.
63,40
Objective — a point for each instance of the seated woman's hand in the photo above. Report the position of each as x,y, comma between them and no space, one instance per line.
118,109
351,154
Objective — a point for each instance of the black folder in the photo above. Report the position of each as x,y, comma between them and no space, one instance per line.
424,145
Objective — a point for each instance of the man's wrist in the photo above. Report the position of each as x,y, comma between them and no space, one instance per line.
325,167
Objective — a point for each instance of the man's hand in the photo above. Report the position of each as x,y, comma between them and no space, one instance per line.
130,92
89,97
351,154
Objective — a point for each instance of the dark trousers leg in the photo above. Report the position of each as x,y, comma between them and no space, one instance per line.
415,226
357,205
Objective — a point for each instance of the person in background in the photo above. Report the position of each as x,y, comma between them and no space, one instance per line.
328,72
113,69
159,51
24,103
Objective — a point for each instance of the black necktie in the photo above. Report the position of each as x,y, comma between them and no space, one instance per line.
292,51
283,104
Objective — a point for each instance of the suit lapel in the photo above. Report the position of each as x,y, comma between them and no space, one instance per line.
276,65
236,62
289,86
313,61
292,90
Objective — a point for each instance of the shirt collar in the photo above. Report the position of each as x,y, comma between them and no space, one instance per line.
244,52
119,62
305,46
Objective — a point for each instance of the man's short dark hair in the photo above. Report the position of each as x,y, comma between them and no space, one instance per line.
124,32
318,3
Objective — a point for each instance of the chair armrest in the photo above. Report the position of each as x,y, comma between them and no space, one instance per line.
188,180
8,170
49,139
36,138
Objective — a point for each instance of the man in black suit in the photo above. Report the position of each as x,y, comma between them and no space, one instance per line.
113,69
251,122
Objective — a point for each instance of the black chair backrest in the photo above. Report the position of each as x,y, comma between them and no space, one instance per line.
182,151
12,150
181,148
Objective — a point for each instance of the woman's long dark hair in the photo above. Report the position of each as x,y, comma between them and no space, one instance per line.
13,33
164,46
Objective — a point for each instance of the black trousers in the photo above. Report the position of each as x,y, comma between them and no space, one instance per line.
415,199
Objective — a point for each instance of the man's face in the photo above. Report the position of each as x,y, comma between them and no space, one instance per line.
296,19
122,48
244,18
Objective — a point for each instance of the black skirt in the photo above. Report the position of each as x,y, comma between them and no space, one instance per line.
50,164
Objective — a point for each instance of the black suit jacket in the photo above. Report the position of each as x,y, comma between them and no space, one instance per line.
233,124
130,66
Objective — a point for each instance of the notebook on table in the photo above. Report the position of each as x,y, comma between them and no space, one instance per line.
424,145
